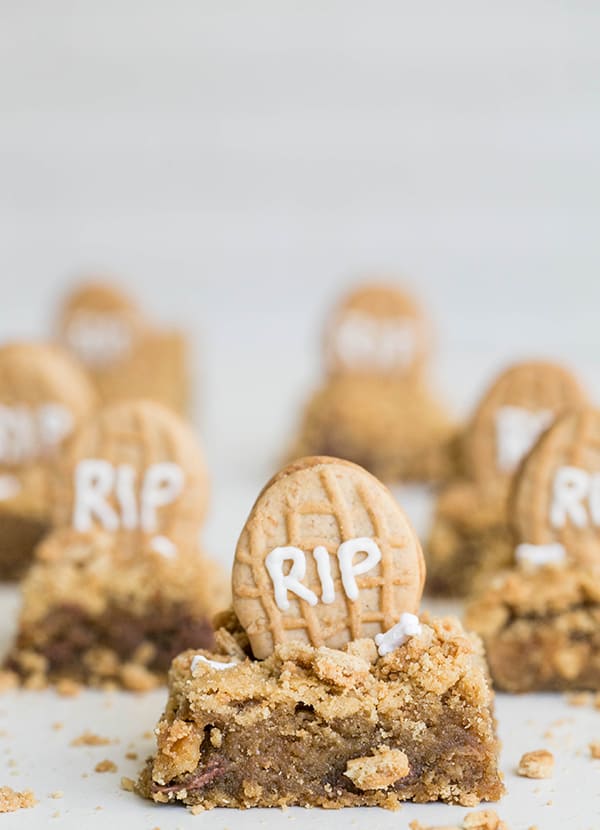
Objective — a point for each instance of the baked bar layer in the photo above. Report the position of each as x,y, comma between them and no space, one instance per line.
321,727
71,643
394,429
541,629
18,537
469,543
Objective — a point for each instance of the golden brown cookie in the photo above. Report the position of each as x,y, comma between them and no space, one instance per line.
326,556
126,355
514,412
100,325
136,470
556,501
377,329
43,395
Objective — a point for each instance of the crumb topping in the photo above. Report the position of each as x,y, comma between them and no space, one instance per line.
536,764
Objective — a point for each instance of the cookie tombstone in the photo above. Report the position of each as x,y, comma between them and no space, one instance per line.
43,396
137,471
100,325
125,353
556,504
522,403
326,556
377,329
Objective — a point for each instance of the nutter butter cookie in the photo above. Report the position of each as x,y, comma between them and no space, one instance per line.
44,395
375,406
326,556
556,503
377,329
472,537
540,618
121,584
137,471
125,353
519,406
324,668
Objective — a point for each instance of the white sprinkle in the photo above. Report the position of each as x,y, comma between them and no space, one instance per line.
163,546
408,626
214,664
10,486
537,555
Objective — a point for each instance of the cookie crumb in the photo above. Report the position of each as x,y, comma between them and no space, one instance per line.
105,766
536,764
131,756
579,699
57,726
8,680
481,820
57,794
378,771
595,749
88,738
11,800
137,678
127,784
68,688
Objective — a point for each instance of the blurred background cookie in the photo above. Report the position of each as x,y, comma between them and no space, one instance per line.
122,584
375,406
540,618
127,355
471,537
44,395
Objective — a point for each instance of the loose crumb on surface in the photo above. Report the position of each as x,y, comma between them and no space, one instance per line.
595,749
11,800
131,756
127,784
105,766
68,688
8,680
480,820
579,699
58,725
90,739
536,764
57,794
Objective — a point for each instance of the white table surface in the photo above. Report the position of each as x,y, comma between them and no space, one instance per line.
39,757
238,163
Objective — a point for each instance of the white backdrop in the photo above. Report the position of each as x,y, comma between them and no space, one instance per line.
237,163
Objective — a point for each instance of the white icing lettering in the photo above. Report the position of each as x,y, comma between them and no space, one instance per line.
292,581
98,339
346,553
96,480
162,484
282,583
538,555
517,430
27,433
571,487
321,555
364,342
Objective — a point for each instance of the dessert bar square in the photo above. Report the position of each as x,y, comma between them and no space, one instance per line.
315,726
541,628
